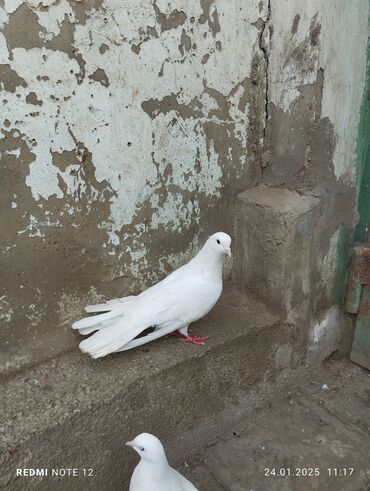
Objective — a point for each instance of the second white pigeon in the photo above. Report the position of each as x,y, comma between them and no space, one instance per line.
171,305
153,472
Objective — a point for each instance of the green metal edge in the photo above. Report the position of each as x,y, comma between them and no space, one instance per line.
347,239
361,232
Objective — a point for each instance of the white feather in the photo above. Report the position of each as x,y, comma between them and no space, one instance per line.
163,331
107,306
88,330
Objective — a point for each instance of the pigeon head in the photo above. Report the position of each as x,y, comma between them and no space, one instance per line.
220,243
149,448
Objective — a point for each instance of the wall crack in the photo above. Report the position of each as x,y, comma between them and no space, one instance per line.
264,48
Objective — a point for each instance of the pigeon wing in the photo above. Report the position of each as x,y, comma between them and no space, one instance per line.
158,305
117,335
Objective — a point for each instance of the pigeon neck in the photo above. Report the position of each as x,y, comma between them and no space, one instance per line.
155,465
209,258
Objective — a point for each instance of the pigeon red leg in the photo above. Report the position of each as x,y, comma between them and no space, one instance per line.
199,340
177,334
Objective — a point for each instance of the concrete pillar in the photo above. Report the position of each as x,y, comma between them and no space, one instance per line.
273,234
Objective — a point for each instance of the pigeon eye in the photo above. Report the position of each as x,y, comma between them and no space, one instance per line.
218,241
142,449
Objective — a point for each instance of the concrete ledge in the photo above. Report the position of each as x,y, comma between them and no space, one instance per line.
76,412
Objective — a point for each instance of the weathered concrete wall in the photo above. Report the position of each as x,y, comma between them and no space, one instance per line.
315,82
127,129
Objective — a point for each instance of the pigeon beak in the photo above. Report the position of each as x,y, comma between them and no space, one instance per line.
228,251
129,444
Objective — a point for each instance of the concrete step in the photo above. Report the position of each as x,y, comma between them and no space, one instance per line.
74,412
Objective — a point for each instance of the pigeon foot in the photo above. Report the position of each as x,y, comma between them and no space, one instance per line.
198,340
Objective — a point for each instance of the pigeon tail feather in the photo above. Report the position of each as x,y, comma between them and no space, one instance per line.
84,331
110,305
111,338
95,320
116,308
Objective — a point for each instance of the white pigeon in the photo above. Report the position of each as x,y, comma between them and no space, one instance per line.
153,472
183,297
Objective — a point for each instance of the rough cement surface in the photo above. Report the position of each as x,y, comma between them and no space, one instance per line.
316,48
76,412
307,426
128,130
276,261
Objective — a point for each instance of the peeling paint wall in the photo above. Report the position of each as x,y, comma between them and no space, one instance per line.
127,129
325,42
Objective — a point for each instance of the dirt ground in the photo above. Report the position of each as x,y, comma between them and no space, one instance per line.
314,436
